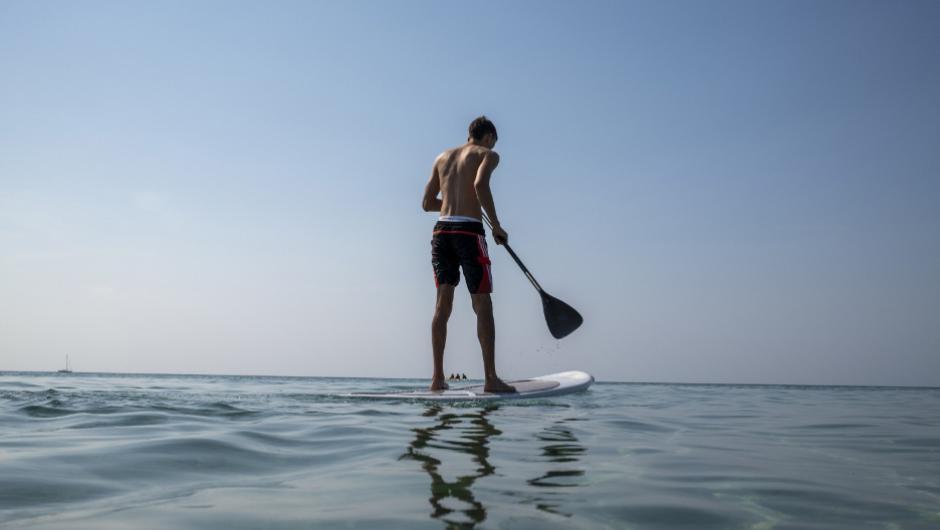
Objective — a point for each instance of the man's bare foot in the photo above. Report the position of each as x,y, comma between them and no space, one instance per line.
438,383
496,385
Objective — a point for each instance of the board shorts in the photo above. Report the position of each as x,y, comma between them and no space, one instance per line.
461,245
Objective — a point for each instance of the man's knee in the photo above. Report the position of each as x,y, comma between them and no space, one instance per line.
445,302
442,310
481,302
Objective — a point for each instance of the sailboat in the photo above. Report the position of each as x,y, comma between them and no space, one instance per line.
68,366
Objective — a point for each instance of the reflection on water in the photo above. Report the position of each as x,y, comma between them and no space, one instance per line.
474,431
469,432
562,447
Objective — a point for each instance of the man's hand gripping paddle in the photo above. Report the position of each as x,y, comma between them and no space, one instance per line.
561,318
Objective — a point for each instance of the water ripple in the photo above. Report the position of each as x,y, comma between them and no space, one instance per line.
136,451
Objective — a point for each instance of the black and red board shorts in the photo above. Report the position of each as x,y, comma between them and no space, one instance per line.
461,245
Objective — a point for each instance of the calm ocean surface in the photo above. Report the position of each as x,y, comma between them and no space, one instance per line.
151,451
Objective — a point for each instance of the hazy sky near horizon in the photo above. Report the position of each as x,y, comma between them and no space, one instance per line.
729,191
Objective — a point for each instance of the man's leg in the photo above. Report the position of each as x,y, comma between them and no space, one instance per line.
445,302
486,331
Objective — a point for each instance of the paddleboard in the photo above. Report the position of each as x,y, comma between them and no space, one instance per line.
537,387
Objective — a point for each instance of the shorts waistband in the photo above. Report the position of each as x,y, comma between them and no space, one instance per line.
458,219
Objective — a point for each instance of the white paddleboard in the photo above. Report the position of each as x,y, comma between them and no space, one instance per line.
536,387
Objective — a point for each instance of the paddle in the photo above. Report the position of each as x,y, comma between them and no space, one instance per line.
561,318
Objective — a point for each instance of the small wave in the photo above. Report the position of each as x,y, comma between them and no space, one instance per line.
223,410
674,516
132,419
23,489
726,416
17,384
827,505
45,411
634,426
833,426
919,442
558,479
270,439
182,457
742,478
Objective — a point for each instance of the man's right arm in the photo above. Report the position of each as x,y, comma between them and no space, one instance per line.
482,186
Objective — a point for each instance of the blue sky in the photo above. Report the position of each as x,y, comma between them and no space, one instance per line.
728,191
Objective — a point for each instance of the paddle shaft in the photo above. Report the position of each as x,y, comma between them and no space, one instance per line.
561,318
516,259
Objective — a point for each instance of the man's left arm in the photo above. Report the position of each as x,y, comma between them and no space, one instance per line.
430,202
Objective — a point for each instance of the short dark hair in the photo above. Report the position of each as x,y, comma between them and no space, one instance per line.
482,126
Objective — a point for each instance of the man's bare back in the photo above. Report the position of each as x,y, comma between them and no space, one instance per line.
462,177
458,171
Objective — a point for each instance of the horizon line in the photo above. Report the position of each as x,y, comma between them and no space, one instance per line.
598,381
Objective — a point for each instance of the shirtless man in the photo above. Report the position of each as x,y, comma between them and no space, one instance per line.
462,177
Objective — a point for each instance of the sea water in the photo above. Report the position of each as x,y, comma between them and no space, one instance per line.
170,451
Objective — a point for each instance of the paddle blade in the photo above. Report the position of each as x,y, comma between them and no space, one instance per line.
561,318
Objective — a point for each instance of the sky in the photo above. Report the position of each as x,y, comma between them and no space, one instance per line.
728,191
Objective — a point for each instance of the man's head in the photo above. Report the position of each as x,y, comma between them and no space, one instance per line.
483,132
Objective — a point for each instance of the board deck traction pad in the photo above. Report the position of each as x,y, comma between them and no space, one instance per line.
535,387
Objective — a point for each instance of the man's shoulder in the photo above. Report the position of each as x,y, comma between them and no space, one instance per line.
483,152
447,153
489,156
470,153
